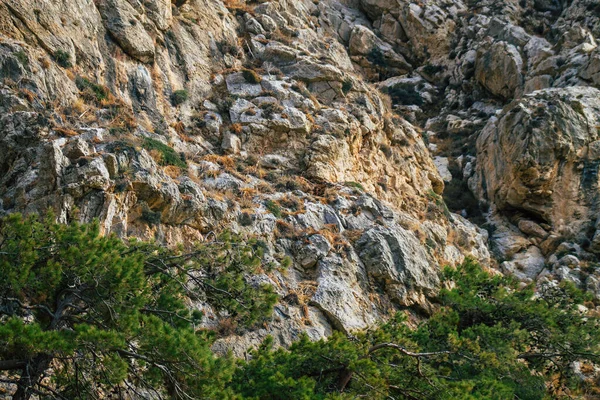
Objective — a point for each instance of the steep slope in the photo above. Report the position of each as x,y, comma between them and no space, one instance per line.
175,121
330,129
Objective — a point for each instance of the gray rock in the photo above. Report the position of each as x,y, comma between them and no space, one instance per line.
122,22
398,260
498,69
237,85
231,143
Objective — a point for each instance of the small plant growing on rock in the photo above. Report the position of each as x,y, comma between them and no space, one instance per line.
273,208
404,94
347,86
251,76
168,155
63,58
92,91
269,109
431,69
22,57
179,97
376,57
355,185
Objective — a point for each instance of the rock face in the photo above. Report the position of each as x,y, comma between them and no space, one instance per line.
539,157
124,25
334,131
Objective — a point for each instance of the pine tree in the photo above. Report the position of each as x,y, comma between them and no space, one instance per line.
86,316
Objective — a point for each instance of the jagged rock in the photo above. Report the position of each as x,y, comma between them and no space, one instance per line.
526,266
122,21
319,140
498,69
339,297
429,27
231,143
441,163
309,254
364,42
591,71
159,11
237,85
397,259
76,149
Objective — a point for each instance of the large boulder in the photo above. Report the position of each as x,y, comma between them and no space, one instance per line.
123,23
541,157
395,258
498,68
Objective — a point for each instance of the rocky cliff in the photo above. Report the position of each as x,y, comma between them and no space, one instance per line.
336,131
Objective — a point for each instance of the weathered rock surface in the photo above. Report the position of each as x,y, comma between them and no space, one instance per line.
329,129
538,157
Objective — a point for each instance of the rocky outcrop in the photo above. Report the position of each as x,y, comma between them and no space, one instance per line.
334,131
539,157
498,69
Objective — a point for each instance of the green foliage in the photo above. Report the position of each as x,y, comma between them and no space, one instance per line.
431,69
273,208
439,203
63,58
491,339
404,94
168,155
355,185
179,97
347,86
109,315
82,314
22,57
376,57
251,76
91,91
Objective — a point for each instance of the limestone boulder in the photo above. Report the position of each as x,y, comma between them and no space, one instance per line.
538,158
395,258
498,68
123,23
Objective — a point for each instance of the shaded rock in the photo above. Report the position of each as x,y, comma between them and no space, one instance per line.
532,229
498,69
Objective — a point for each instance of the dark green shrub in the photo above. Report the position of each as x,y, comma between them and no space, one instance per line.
404,94
347,86
376,57
431,69
251,76
63,58
169,156
179,97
